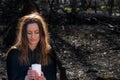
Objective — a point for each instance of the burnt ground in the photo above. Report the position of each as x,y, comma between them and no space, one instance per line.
88,52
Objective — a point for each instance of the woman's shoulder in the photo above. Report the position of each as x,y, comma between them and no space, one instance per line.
13,52
13,56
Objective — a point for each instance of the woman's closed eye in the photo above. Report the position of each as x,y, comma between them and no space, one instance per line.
36,32
29,32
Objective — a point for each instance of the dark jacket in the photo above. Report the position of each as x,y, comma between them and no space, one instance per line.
18,71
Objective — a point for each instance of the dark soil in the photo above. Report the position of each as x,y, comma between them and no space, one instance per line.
89,52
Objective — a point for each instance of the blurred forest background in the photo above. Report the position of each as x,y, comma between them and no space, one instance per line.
85,34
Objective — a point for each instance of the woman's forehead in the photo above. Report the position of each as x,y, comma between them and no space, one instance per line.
32,26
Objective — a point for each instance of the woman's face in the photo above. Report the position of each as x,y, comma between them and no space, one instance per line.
33,34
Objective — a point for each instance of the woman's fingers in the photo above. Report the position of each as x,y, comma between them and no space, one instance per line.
42,77
32,74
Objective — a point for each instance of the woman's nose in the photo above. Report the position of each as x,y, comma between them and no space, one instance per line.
32,35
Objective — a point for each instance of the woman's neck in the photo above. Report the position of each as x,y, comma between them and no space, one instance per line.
32,47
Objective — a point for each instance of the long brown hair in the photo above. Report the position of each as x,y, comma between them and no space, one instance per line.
22,42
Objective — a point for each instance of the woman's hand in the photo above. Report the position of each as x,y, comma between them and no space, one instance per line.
42,77
33,75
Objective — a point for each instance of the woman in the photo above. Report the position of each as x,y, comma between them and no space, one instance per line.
32,46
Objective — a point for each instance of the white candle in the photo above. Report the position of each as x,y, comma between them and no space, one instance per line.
37,68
